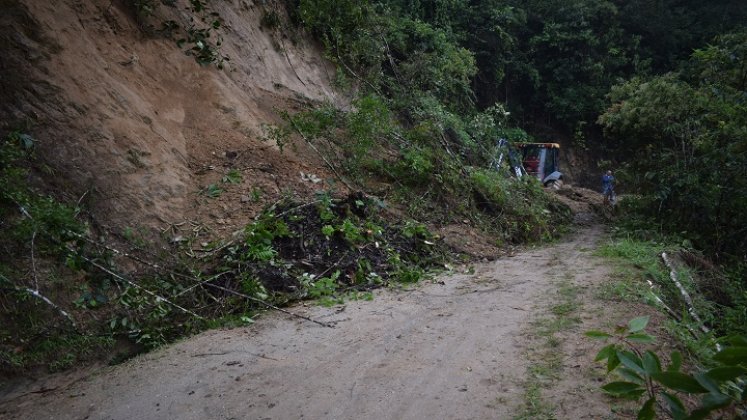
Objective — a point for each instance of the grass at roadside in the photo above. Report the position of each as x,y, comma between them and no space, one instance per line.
545,355
640,276
690,293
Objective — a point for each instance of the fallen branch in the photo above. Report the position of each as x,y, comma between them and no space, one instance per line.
658,300
268,305
139,287
391,60
324,158
294,209
683,292
33,262
333,265
202,283
36,294
199,282
287,58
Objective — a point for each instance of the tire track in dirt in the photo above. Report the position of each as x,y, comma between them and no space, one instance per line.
452,348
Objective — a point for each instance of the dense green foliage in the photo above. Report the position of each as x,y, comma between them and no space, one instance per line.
548,60
706,319
676,123
416,124
36,231
686,138
434,64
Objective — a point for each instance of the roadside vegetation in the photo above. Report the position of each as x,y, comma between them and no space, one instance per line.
545,355
704,321
67,298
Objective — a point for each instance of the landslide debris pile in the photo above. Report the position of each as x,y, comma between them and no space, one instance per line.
347,244
326,249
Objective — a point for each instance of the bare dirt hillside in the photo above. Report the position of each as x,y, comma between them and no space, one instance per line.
135,127
471,344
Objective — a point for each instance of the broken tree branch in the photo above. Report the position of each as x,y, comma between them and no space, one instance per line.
33,263
287,58
685,296
199,283
137,286
36,294
324,158
269,305
352,72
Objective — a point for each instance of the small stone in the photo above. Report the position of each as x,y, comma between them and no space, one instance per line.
245,199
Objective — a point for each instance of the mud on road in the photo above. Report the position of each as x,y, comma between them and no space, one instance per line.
458,347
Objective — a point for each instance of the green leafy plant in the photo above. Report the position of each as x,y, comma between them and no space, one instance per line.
413,229
323,289
253,287
644,375
232,177
328,231
259,236
324,206
212,191
255,194
351,232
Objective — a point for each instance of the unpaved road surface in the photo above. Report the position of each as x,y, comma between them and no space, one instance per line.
454,348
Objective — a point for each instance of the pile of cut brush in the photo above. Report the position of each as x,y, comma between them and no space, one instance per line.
328,249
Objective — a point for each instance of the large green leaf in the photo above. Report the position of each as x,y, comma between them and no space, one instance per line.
597,334
638,324
726,373
631,375
651,362
732,356
715,401
624,389
708,404
675,405
676,362
707,383
605,352
679,382
737,341
647,412
612,361
631,361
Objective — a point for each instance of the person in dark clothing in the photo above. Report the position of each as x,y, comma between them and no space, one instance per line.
608,187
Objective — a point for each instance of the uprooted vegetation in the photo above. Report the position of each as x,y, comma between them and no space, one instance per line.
69,298
76,290
439,169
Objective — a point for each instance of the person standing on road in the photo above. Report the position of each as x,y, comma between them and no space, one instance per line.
608,185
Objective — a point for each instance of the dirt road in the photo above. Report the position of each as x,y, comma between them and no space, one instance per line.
460,347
